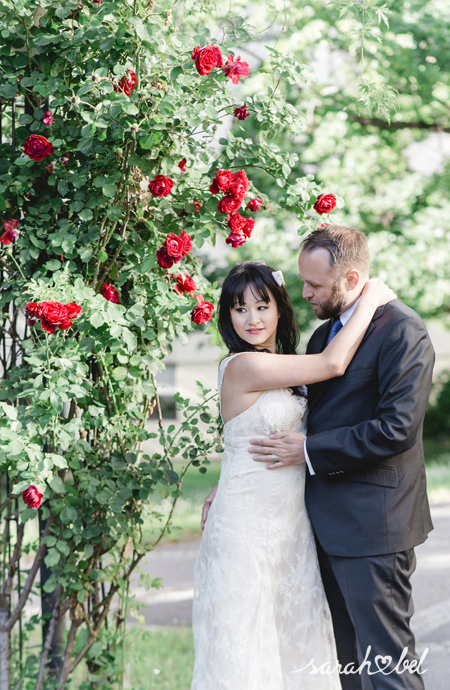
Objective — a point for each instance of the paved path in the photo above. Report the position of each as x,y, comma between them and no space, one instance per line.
431,587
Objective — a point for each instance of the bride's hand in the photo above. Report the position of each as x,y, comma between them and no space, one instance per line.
378,293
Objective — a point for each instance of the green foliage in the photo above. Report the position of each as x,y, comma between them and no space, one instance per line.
74,403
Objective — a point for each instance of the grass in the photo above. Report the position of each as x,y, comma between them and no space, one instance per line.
187,515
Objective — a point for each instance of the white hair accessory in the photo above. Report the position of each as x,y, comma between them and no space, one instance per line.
278,278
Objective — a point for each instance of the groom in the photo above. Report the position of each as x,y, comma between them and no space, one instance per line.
366,487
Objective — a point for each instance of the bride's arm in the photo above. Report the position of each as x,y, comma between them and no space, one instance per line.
254,372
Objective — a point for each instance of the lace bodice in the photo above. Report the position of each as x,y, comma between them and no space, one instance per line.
275,410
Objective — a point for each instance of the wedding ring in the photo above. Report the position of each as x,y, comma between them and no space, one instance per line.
273,458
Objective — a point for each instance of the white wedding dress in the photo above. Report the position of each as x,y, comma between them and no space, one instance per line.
259,610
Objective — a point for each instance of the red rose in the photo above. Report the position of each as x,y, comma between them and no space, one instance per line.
161,186
235,69
236,239
213,188
182,165
207,58
32,496
187,242
65,324
33,310
242,112
174,246
32,322
203,311
164,260
239,186
228,204
53,312
223,179
47,326
324,225
254,204
10,234
73,310
127,84
110,293
37,147
249,225
185,285
325,203
236,222
48,118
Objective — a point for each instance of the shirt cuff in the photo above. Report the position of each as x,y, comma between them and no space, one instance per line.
308,461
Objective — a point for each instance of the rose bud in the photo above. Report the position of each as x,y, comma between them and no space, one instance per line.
241,113
110,293
37,147
325,203
182,165
197,206
254,204
32,496
48,118
203,311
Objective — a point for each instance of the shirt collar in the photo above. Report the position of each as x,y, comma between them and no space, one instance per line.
344,317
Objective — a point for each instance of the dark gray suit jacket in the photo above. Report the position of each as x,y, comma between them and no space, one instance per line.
368,496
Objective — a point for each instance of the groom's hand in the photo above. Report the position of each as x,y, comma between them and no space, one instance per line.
286,446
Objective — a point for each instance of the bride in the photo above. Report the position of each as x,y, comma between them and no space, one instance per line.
260,613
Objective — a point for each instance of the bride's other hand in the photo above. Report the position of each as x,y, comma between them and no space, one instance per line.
207,505
378,293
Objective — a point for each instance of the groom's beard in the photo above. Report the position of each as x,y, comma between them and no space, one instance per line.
332,306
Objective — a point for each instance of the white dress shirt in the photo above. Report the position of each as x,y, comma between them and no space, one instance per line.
344,317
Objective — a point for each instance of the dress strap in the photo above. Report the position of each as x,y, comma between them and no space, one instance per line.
220,374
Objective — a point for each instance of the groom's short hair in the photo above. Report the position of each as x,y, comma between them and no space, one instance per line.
348,247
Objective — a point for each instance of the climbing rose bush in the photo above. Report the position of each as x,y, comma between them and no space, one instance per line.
106,199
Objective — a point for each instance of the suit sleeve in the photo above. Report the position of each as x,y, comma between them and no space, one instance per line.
404,379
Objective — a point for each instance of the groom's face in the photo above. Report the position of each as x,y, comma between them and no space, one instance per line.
324,292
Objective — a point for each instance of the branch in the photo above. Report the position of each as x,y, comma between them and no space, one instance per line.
40,553
13,564
48,639
383,124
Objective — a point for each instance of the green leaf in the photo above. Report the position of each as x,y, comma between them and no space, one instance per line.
57,484
53,265
68,514
52,558
8,91
86,214
102,255
86,344
109,189
120,373
63,187
97,319
9,410
114,213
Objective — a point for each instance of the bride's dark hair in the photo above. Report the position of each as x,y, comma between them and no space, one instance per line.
258,276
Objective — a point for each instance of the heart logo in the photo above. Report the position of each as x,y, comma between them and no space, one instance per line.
385,662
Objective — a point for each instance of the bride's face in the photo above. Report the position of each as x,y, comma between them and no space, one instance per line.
256,321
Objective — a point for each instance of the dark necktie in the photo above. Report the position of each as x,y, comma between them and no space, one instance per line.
335,328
